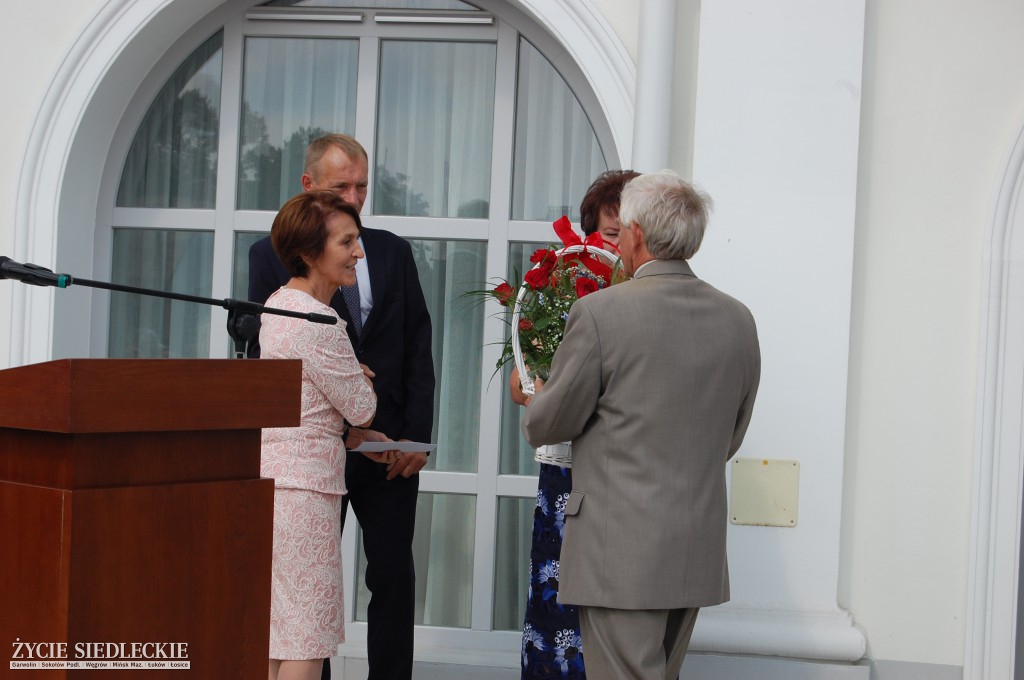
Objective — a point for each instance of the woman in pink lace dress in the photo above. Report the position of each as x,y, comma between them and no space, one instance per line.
316,237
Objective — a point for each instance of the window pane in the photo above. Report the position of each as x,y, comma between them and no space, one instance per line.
557,154
172,162
240,263
448,270
512,561
434,126
240,271
145,327
294,90
443,553
376,4
516,453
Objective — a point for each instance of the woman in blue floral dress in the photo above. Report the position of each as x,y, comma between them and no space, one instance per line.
552,647
551,632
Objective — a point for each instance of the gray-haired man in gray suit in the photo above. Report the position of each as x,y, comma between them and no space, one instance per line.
653,383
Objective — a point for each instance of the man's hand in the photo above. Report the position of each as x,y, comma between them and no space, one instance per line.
408,464
368,375
388,457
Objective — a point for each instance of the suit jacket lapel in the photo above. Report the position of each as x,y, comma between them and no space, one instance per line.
377,262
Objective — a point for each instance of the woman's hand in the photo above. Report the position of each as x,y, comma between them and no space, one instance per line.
516,388
358,435
355,437
538,385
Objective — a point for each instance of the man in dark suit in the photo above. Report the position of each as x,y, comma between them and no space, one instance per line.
392,336
654,384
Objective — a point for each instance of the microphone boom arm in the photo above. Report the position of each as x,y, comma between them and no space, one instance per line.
230,304
238,329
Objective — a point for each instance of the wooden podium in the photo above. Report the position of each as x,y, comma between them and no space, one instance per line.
132,510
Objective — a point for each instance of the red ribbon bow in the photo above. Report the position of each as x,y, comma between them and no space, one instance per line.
570,238
594,240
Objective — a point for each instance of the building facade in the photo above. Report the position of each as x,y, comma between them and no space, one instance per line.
866,161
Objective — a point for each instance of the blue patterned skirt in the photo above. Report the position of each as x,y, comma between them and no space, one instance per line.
551,632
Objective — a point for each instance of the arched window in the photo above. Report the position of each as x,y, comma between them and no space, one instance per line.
476,143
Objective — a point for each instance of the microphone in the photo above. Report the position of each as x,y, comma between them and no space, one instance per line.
32,274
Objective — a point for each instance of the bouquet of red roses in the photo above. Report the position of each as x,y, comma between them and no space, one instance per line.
539,306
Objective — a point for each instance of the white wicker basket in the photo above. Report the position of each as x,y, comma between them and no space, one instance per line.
554,454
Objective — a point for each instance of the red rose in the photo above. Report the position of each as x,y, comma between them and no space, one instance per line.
541,255
585,286
537,278
525,325
504,293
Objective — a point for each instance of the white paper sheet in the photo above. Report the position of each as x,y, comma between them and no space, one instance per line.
407,447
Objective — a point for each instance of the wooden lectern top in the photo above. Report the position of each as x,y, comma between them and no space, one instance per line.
151,395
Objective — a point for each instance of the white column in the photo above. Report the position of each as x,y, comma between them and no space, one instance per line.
655,62
776,146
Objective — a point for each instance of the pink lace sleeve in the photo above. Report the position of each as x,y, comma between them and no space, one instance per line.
331,374
335,371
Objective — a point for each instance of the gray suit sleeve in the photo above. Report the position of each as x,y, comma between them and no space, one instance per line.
566,402
746,408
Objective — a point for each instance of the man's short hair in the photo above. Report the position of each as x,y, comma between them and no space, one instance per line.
319,146
672,212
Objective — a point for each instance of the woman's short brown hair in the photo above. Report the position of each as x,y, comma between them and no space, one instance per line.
603,196
300,228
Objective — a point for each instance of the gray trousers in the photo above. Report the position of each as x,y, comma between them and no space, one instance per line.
635,644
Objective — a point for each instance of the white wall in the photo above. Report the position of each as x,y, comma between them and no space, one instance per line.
942,103
34,37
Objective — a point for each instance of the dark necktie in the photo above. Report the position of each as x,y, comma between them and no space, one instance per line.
351,295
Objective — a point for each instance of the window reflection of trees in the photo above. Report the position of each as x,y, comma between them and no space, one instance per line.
172,161
261,184
392,195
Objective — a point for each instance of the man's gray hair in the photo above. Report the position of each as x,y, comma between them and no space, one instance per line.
672,213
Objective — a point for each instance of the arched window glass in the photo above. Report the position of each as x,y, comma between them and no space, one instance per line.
557,154
172,162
